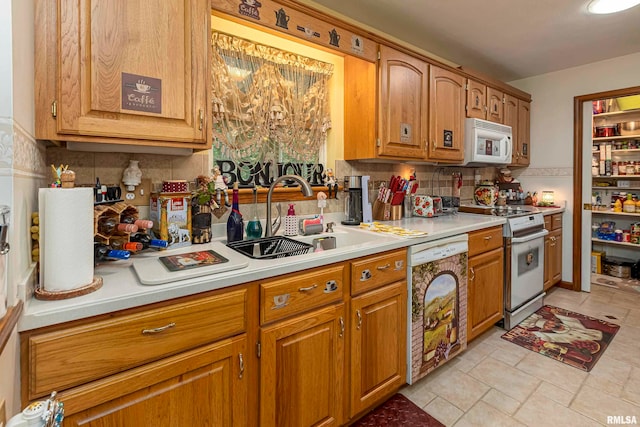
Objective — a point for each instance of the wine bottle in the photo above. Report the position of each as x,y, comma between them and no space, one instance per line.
235,225
140,223
102,252
126,246
128,228
147,241
107,225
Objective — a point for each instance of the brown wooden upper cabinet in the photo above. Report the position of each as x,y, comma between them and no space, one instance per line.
402,112
484,102
446,116
132,72
386,106
416,110
517,115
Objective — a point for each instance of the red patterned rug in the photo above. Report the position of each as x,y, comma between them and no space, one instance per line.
398,411
572,338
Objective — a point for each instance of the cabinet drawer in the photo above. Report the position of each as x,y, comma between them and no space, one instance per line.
553,222
378,270
72,356
296,293
485,240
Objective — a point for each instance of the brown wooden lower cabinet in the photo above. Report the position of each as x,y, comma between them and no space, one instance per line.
378,345
485,289
485,292
302,370
300,349
553,251
201,387
330,365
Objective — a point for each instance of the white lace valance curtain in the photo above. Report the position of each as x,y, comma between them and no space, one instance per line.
268,105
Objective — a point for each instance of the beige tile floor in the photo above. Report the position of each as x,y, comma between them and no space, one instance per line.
498,383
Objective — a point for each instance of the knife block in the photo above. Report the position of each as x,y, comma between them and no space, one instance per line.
386,211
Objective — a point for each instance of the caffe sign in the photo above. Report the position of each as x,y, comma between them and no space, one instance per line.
141,93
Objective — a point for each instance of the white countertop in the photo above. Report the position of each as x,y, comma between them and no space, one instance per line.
122,288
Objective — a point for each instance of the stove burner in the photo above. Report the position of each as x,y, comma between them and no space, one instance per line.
509,211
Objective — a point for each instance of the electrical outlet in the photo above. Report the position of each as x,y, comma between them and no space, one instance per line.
139,196
3,413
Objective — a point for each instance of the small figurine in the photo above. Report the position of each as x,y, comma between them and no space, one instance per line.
57,173
220,185
331,183
67,178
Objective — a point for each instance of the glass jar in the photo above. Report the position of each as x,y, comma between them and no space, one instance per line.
631,168
614,168
622,168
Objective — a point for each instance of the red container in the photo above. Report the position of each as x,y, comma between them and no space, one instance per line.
174,186
599,107
607,131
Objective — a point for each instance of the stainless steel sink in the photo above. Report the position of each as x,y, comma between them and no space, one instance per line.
270,247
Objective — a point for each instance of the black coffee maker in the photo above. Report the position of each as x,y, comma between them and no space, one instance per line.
352,200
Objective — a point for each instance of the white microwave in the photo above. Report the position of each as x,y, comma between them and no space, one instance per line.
487,143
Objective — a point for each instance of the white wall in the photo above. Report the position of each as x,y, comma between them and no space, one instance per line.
21,167
551,165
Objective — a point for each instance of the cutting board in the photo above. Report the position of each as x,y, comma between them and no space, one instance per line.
187,263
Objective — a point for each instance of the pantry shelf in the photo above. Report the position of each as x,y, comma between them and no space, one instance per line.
615,188
615,138
613,242
615,176
615,113
594,212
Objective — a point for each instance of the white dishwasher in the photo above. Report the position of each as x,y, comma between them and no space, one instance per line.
437,306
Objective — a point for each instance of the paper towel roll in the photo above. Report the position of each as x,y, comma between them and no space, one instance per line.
66,238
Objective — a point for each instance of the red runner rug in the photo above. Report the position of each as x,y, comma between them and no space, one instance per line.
572,338
398,411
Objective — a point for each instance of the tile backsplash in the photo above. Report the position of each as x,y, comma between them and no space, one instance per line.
108,167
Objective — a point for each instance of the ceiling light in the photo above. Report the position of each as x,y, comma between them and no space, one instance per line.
611,6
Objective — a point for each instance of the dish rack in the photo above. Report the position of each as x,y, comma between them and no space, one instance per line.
270,247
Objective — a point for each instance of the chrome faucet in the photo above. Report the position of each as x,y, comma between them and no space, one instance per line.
305,188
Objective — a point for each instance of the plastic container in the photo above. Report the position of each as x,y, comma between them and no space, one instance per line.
629,102
629,205
618,235
291,222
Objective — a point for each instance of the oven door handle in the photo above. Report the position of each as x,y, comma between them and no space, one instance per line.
529,237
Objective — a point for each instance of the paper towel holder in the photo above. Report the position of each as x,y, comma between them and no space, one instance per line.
43,294
94,282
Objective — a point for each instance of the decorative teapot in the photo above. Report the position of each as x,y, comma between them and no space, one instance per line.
486,194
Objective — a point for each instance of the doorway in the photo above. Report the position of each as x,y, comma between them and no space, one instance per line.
579,202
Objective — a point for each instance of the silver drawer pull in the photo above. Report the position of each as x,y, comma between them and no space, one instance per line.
341,334
359,319
488,237
384,267
241,362
307,289
158,330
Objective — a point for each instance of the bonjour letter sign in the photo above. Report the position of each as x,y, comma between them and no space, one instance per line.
141,93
